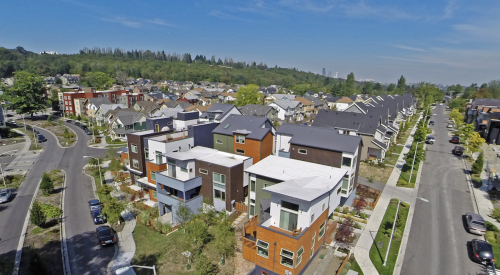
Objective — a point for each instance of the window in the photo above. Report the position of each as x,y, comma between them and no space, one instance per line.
157,128
323,207
286,258
290,206
220,195
345,182
159,158
240,139
252,210
312,218
355,160
338,191
135,163
203,171
263,273
312,245
133,148
218,141
153,175
252,186
299,256
184,169
303,151
146,153
262,249
346,161
155,194
219,178
288,220
239,151
169,123
322,230
127,163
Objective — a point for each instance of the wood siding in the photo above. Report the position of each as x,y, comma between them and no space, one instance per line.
154,167
241,207
315,155
267,147
124,156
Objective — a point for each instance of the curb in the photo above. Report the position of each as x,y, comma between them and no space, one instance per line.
468,180
58,143
94,188
23,235
64,245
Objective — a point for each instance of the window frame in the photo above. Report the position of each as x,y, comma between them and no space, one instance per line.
322,228
241,151
222,195
218,141
304,151
312,218
134,161
237,139
203,171
221,176
350,165
152,175
253,184
284,255
133,148
264,247
299,256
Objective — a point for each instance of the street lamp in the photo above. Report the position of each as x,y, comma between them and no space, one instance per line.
98,164
123,270
394,226
413,163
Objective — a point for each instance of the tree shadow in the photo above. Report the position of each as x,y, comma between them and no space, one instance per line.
376,245
86,255
146,260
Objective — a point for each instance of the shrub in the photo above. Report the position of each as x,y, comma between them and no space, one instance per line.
50,211
105,189
402,182
145,217
381,164
47,186
397,234
166,228
158,225
394,201
362,215
132,198
477,167
495,214
346,268
399,220
357,226
108,139
37,217
345,211
491,227
153,212
491,237
405,205
337,209
353,212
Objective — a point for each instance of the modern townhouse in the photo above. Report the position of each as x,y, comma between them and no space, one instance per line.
219,112
318,102
93,104
200,173
245,135
322,146
146,107
259,110
79,106
307,106
290,205
339,103
125,121
475,109
288,109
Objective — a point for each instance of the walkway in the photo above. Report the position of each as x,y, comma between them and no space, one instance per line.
126,245
364,244
25,158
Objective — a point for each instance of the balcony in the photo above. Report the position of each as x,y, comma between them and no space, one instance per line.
267,224
165,179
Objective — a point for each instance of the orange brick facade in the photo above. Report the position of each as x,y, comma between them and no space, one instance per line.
254,148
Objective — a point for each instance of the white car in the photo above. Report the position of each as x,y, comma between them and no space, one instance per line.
449,125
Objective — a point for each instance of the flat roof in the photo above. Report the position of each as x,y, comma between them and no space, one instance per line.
208,155
306,189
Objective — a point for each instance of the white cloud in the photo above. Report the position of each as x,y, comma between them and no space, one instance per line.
159,22
450,9
124,21
404,47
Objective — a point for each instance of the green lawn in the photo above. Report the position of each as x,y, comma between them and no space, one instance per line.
355,266
391,159
404,179
399,149
11,181
377,255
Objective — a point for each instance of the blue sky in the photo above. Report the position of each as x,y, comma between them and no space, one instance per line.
450,41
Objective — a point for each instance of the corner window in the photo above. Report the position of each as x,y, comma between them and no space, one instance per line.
146,153
133,147
220,195
262,248
252,186
322,230
240,139
299,256
239,151
218,141
135,163
286,258
346,161
303,151
203,171
153,175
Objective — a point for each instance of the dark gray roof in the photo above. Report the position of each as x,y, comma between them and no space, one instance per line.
98,101
318,137
220,108
361,123
251,126
188,115
333,99
255,110
315,100
183,104
127,117
485,102
379,144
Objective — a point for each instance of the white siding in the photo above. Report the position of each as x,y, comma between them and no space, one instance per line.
168,147
282,143
233,111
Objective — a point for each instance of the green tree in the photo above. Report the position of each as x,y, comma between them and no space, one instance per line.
350,84
36,264
51,211
225,241
198,232
105,189
47,185
477,167
204,266
391,87
402,84
457,117
54,100
466,131
98,80
37,217
183,214
248,95
475,142
27,95
113,209
301,89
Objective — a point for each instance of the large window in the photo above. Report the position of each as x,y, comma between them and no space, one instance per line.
290,206
346,161
133,148
299,256
135,163
289,216
322,229
252,185
312,245
240,139
220,195
219,178
262,248
252,210
159,158
286,258
146,153
153,175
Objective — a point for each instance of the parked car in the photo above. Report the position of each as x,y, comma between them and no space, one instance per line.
449,125
482,252
87,131
41,138
455,140
431,123
69,121
94,205
458,150
9,115
430,140
98,216
6,195
475,223
77,123
105,235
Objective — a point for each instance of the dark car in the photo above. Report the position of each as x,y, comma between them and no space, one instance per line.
431,123
94,205
98,216
41,138
87,131
482,252
455,140
105,235
458,150
77,123
69,121
430,140
9,115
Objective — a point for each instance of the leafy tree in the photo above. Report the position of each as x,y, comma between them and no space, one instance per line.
37,217
350,84
112,153
183,214
378,87
477,167
475,142
420,134
484,92
402,84
36,264
391,87
54,100
27,95
204,265
121,77
345,233
360,204
51,211
301,89
466,131
457,118
418,156
98,80
248,95
113,209
198,232
47,186
105,189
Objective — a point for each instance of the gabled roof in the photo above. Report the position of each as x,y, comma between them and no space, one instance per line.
317,137
315,100
283,97
221,109
98,101
198,108
255,110
361,123
380,144
304,101
345,99
332,99
183,104
286,104
127,117
252,127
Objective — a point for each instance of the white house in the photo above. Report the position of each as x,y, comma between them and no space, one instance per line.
287,109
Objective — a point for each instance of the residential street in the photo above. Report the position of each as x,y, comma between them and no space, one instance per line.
85,253
438,241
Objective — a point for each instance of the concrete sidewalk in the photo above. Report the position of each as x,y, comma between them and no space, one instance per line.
125,246
365,242
25,158
483,200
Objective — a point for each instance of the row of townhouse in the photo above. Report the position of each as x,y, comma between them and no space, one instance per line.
484,113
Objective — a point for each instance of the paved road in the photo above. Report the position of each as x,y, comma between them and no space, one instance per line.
13,214
85,253
438,242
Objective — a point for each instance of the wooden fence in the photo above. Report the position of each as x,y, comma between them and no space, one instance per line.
343,263
241,207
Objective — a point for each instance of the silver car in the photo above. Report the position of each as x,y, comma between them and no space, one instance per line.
5,195
475,223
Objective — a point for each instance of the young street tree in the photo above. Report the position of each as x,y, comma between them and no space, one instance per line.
475,142
47,186
345,233
37,217
113,209
183,214
248,95
27,95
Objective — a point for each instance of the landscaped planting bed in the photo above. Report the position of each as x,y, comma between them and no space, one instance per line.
65,135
